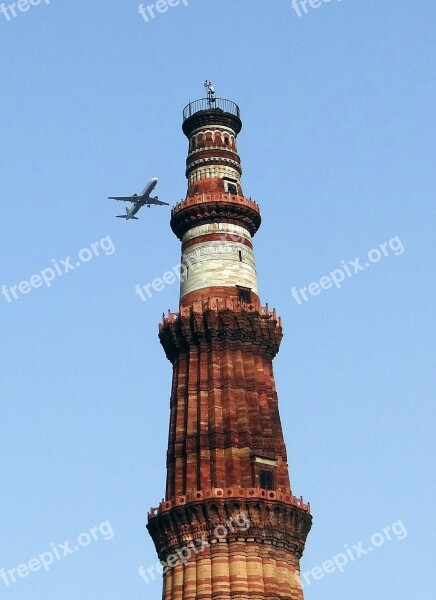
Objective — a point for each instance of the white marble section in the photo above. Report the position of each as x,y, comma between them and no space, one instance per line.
216,171
233,232
224,263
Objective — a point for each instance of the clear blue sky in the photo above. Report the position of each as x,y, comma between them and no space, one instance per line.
338,149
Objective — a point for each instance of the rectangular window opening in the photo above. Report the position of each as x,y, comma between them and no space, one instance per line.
231,185
244,294
266,480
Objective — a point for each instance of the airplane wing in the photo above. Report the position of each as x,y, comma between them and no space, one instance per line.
156,201
124,198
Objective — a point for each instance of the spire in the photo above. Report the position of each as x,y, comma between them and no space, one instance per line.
210,92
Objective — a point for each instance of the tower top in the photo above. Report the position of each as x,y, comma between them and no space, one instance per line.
211,110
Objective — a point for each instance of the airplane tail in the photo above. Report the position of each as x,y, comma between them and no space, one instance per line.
126,216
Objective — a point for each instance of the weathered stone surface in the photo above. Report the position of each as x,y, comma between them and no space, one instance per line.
226,453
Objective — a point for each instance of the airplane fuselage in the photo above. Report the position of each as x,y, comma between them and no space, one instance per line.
143,198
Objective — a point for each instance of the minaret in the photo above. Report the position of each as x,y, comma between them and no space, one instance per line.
229,527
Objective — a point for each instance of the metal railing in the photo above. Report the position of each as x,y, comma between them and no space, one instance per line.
196,106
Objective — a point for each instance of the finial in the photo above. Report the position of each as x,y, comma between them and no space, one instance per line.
210,92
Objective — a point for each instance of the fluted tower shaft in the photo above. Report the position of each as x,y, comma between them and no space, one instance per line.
227,469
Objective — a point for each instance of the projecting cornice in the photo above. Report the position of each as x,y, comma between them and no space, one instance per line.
226,322
215,207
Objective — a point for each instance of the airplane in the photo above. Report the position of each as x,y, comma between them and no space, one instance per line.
139,201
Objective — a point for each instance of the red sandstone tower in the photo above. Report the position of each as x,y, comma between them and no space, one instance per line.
226,453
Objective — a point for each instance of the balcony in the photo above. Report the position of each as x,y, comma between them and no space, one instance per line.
206,104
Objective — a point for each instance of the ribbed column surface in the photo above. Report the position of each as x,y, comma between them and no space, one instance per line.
229,527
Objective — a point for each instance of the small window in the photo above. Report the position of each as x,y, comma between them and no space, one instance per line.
240,256
232,189
226,141
266,480
244,294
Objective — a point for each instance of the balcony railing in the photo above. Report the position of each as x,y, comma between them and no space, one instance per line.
221,104
253,494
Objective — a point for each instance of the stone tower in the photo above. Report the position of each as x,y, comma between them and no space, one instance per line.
229,527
